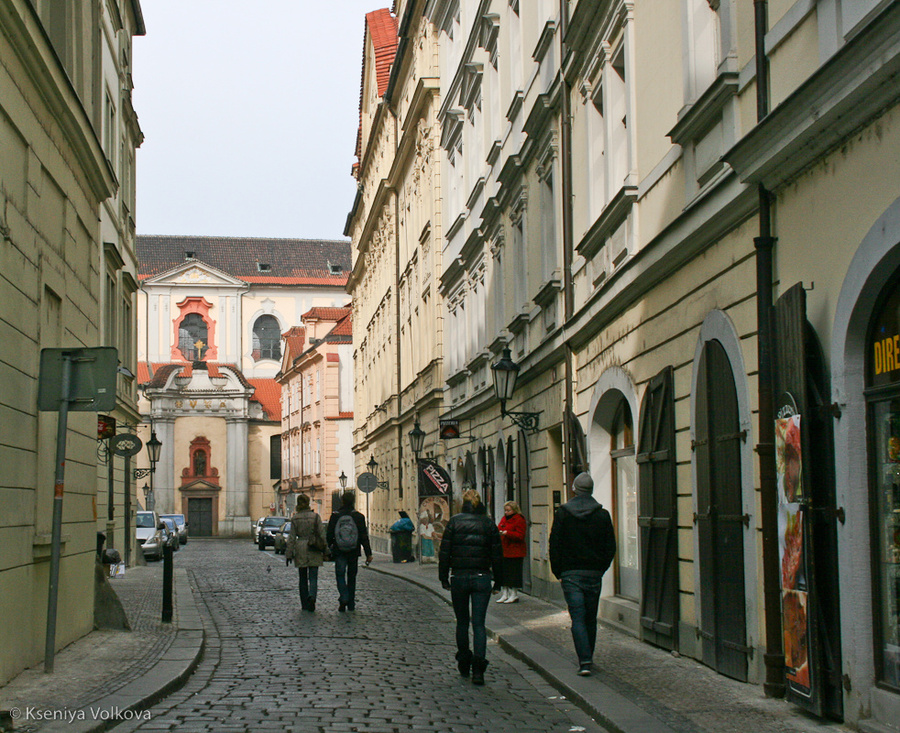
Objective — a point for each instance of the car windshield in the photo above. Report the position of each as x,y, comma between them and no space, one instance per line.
177,518
145,520
273,521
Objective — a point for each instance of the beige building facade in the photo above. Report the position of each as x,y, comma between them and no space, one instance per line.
212,311
695,272
395,225
55,175
316,380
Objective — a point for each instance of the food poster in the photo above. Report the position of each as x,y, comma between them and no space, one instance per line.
435,488
791,545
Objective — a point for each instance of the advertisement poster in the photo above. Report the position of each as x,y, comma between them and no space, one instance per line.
791,546
435,490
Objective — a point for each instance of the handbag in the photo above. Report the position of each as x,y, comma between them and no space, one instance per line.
316,541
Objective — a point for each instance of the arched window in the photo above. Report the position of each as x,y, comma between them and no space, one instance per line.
266,338
193,337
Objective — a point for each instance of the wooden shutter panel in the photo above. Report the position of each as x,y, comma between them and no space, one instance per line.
658,520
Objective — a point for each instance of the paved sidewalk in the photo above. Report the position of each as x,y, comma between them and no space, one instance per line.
110,676
636,688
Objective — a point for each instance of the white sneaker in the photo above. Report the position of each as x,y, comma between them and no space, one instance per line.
513,596
503,596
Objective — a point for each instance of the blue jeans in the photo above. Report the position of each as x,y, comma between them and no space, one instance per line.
474,589
346,565
309,585
581,589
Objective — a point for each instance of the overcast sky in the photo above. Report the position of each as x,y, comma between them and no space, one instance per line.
249,113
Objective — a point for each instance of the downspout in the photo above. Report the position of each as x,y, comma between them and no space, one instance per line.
567,240
774,685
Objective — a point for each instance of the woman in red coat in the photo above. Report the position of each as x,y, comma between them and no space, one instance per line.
512,537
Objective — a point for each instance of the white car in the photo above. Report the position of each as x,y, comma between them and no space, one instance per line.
150,537
256,525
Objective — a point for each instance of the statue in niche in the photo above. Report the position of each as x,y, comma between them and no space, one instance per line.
200,463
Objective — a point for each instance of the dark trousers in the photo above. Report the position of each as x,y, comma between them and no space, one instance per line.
346,566
309,585
581,589
474,590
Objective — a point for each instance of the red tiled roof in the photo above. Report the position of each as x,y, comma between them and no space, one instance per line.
268,394
344,327
290,261
332,357
382,26
295,340
157,374
326,314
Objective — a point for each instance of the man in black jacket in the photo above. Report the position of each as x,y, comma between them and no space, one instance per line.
470,548
582,546
346,556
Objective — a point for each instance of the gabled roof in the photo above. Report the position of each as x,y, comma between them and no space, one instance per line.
253,260
382,26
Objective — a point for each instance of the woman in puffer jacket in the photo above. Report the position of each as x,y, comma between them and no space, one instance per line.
471,551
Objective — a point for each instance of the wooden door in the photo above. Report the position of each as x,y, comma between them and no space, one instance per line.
658,513
720,520
200,517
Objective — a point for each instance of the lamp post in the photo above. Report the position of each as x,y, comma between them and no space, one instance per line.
505,371
154,447
416,443
343,479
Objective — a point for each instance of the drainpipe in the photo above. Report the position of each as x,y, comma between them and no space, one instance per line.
395,193
567,240
774,685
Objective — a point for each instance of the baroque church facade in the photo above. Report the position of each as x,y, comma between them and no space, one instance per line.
211,314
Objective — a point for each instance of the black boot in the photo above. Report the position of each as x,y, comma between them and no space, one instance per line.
478,667
464,662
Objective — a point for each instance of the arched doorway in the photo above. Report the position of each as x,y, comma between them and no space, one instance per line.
721,521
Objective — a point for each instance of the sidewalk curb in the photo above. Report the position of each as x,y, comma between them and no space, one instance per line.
166,675
602,703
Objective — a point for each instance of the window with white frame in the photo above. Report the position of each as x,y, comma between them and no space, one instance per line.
266,338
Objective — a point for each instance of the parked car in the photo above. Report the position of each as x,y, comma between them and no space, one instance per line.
148,534
180,523
256,525
281,538
171,533
268,529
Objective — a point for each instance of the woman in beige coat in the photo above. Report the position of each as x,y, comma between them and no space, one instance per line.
306,549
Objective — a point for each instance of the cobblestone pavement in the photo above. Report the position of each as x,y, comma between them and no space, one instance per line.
387,667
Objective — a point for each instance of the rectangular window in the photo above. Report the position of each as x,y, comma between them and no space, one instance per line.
275,457
109,327
109,133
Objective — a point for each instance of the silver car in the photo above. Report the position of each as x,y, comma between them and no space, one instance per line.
180,523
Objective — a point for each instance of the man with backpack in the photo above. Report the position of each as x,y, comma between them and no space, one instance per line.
346,535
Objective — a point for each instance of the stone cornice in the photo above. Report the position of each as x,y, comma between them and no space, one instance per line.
853,87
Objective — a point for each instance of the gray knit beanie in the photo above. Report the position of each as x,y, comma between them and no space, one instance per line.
583,484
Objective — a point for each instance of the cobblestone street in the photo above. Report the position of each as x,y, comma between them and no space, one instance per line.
386,667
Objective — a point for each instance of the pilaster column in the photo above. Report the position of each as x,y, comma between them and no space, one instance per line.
237,482
164,478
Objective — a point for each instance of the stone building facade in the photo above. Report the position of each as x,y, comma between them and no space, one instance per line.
680,218
56,171
212,311
395,224
316,380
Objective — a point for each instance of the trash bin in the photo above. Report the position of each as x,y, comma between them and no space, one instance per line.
401,546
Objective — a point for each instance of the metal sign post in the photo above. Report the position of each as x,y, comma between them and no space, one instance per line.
79,380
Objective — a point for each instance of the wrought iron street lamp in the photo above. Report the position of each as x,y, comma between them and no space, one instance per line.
505,371
343,479
372,466
154,447
417,439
